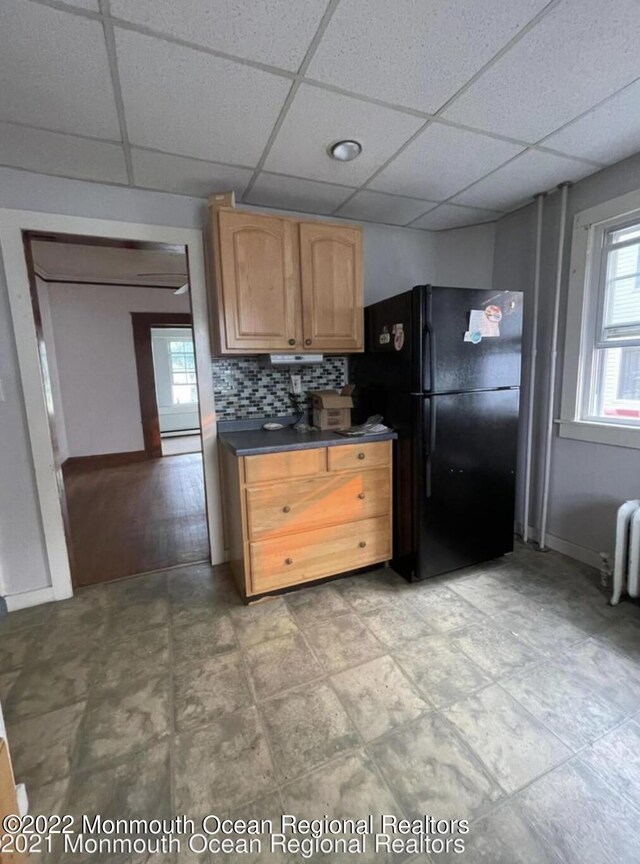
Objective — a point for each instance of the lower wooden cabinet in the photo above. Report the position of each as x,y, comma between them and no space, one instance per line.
283,532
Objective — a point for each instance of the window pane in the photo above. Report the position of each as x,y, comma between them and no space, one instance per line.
184,394
178,362
621,313
180,378
629,380
190,361
624,234
176,346
617,385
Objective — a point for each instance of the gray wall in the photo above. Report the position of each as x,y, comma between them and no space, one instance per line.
588,481
22,560
464,256
395,259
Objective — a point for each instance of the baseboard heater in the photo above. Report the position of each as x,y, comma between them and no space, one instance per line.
626,567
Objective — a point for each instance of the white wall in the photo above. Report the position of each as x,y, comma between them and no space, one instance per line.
395,259
96,362
588,481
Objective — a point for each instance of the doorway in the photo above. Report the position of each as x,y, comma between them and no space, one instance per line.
176,389
128,509
167,383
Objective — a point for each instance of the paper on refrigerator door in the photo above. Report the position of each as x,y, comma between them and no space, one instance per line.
480,323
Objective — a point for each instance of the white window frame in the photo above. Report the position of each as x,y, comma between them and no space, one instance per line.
582,307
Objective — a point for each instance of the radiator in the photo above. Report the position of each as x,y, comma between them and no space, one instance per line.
626,568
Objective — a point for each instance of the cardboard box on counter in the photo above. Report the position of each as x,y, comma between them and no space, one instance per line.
332,408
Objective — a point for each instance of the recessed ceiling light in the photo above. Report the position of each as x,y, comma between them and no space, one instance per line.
345,151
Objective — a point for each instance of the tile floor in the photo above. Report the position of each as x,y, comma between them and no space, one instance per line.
508,694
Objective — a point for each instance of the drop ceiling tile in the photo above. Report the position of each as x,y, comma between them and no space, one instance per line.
54,153
291,193
442,161
268,31
581,52
186,176
54,71
194,104
318,118
415,52
515,184
451,216
91,5
378,207
607,134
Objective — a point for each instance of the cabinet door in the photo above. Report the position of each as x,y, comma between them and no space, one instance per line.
331,272
259,292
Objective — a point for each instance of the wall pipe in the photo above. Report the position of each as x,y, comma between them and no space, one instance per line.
532,369
564,189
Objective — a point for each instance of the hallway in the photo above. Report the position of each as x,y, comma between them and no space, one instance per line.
136,518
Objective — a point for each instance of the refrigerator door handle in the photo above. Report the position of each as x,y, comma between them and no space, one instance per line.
429,336
432,446
426,342
432,430
428,333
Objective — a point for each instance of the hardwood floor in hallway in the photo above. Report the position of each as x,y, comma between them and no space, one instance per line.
136,518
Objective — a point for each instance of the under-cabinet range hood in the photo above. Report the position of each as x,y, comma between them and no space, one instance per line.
292,359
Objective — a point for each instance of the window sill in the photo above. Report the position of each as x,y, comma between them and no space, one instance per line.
600,433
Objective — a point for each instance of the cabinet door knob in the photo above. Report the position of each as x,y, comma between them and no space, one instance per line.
292,341
288,560
286,508
361,455
307,341
361,496
362,544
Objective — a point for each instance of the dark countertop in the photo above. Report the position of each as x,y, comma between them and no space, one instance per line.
251,442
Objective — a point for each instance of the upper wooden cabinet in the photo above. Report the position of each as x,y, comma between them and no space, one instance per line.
260,282
331,280
285,286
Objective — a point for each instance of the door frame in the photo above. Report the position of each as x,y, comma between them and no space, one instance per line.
12,225
142,322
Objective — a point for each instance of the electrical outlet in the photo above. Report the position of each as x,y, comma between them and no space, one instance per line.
296,383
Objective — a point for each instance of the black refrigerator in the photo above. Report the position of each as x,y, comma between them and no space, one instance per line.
442,365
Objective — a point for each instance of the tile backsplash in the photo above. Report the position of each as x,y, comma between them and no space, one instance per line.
246,387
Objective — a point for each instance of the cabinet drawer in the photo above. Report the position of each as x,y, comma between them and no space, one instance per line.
282,466
326,500
359,456
295,558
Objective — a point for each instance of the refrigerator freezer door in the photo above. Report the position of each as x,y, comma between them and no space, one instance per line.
466,513
451,363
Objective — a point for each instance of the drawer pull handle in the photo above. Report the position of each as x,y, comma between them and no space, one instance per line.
286,508
288,560
307,341
361,496
292,341
362,544
361,455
